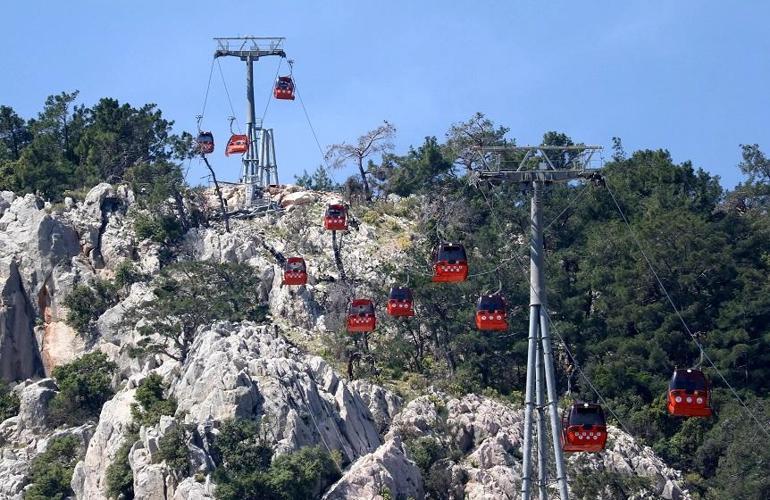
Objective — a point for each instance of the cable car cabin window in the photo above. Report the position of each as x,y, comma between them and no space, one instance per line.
451,253
362,309
400,293
593,415
491,303
295,266
690,381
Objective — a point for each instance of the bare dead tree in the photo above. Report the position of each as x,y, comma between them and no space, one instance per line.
373,142
222,203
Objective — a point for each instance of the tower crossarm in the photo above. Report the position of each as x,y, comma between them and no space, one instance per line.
249,47
541,163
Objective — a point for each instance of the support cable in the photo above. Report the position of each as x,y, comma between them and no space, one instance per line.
679,315
208,87
227,92
312,129
572,357
270,95
574,200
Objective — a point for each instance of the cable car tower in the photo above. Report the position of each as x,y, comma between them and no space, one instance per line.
538,166
259,169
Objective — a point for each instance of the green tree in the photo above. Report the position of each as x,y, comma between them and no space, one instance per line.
151,403
119,476
320,180
85,303
84,387
51,472
189,295
9,402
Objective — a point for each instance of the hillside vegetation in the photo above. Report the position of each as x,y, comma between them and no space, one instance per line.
710,247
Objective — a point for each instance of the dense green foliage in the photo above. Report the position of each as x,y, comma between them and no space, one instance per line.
85,303
151,403
9,402
172,449
245,470
320,180
119,476
50,472
84,386
709,246
71,147
189,295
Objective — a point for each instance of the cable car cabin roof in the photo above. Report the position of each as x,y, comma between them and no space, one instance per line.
400,293
361,306
295,264
586,414
688,380
494,302
450,252
205,137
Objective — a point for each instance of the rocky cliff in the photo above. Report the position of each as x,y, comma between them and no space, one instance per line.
249,370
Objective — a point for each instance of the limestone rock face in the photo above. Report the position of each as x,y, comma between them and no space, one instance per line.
33,405
386,471
247,371
89,478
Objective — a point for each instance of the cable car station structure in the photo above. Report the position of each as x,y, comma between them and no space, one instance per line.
259,168
540,363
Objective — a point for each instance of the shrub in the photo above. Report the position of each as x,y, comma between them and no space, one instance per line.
163,229
245,470
303,474
84,386
86,303
151,404
120,477
51,471
9,402
425,451
172,448
126,274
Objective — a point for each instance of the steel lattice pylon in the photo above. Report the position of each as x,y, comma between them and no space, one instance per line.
539,165
259,169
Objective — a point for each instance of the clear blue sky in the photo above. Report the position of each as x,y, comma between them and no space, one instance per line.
692,77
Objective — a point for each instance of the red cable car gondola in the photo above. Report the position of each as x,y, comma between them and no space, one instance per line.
361,317
400,302
294,271
583,428
450,264
284,88
491,313
336,218
205,142
238,144
689,394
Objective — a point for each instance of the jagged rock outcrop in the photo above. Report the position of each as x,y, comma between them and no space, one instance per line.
387,471
89,480
486,437
247,371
